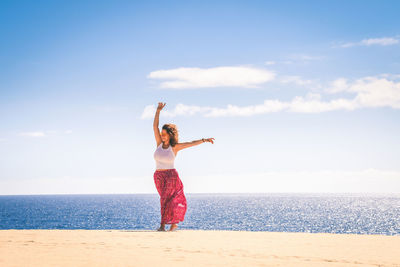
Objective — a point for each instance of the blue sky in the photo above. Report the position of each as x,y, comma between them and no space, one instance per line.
299,96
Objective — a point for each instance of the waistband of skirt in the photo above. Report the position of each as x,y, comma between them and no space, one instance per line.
167,170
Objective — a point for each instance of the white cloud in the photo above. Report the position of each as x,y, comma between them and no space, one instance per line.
305,57
233,76
385,41
315,105
42,133
380,41
232,110
296,58
149,112
309,104
369,92
179,110
338,85
295,79
33,134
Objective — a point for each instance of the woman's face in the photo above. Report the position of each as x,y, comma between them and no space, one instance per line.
164,136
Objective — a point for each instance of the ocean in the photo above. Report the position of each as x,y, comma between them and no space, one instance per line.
273,212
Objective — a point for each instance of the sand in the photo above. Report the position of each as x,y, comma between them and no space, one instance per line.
194,248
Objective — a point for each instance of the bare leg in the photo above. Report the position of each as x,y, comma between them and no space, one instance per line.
173,227
162,227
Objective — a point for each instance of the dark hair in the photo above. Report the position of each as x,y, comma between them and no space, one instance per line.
172,131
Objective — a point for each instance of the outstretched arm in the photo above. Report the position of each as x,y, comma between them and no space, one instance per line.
184,145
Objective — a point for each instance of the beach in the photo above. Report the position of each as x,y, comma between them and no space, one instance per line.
194,248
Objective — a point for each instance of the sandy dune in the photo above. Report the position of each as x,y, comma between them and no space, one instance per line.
194,248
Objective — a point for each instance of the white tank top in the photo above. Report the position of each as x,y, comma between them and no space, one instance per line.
164,157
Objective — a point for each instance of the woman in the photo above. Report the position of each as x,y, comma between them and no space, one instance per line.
169,185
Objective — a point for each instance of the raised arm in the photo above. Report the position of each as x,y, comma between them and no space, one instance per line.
155,123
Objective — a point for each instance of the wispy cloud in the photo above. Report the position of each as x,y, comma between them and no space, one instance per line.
311,103
270,62
296,58
179,110
43,133
32,134
304,57
385,41
375,91
295,79
232,76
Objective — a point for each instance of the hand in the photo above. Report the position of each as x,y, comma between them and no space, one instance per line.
160,106
209,140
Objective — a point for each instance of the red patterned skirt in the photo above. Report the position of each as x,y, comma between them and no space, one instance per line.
172,198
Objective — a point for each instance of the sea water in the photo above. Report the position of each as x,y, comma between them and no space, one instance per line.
274,212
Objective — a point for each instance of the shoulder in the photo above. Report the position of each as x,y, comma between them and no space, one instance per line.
178,146
175,149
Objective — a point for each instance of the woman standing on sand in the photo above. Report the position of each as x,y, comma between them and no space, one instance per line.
169,185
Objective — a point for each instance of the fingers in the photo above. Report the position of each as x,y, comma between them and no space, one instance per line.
161,105
210,140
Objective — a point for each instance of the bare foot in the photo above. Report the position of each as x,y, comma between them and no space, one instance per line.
173,227
162,227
